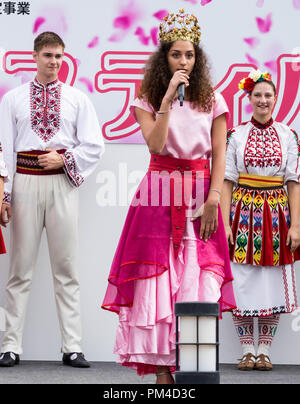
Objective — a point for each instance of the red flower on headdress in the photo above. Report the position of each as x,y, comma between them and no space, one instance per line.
249,84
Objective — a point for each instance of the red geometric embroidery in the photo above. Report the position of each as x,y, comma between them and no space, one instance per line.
70,168
263,148
45,109
229,134
267,328
294,285
286,288
7,197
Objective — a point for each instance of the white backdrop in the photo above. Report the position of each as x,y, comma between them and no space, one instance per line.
231,35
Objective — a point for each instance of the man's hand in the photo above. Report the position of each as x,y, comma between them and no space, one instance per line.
51,161
5,214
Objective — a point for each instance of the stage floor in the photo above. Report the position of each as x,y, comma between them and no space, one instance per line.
40,372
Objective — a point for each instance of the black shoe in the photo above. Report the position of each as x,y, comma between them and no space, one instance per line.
75,359
9,359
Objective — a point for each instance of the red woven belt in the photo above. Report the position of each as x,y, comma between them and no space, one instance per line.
199,168
27,163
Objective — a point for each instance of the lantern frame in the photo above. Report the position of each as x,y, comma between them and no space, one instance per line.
197,310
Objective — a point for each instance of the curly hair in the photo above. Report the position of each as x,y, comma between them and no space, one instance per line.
157,77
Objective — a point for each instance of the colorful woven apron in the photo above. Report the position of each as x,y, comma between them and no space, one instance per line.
260,220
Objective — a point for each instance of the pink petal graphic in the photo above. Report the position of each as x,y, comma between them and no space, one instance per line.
37,23
78,62
296,4
264,25
3,90
54,20
248,109
122,22
153,35
252,60
88,83
192,1
272,65
118,36
128,15
142,37
161,14
260,3
253,42
204,2
94,42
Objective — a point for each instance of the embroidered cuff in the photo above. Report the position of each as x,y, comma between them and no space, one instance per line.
7,198
71,170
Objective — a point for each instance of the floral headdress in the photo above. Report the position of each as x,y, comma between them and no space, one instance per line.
247,84
179,27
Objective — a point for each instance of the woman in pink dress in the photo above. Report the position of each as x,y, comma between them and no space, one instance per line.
166,254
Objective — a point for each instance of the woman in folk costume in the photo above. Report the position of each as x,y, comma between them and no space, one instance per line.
262,220
163,257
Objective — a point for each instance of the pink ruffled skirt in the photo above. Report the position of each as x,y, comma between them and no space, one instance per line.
146,280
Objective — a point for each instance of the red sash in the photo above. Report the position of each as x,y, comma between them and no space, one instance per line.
27,163
199,168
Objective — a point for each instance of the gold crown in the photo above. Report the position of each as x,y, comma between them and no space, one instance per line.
180,26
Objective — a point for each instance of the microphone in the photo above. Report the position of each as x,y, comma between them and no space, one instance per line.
180,91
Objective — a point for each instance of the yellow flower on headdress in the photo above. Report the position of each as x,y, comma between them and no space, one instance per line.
241,84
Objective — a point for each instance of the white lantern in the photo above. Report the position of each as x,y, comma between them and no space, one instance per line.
197,343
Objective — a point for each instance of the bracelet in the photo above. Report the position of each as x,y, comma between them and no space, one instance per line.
162,112
216,190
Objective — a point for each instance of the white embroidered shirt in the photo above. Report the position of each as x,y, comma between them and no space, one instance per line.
36,116
272,149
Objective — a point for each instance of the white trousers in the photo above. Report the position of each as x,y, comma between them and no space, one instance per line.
37,202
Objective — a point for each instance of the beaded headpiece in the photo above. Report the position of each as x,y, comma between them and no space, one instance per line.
179,26
247,84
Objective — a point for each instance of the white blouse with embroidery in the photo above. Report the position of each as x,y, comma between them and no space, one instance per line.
272,149
58,116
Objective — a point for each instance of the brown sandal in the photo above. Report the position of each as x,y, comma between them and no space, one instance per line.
263,363
247,362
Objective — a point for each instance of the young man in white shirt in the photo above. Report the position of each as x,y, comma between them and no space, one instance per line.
54,130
